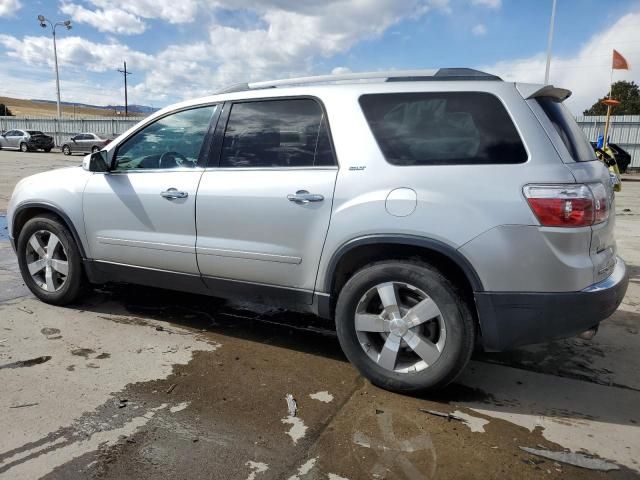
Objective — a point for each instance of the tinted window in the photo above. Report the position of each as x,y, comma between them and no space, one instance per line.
173,141
442,128
34,132
570,132
276,133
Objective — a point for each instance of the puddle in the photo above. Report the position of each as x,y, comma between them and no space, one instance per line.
4,233
27,363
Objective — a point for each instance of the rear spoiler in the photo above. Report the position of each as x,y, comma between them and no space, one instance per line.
531,90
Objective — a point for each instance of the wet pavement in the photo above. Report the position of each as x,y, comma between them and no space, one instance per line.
136,382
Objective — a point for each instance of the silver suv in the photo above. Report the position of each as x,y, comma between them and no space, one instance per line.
426,212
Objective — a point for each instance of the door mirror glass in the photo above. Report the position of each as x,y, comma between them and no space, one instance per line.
98,162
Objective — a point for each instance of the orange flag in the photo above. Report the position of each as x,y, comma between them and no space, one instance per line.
619,62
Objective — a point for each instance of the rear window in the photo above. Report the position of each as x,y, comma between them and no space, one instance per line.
443,128
34,132
569,131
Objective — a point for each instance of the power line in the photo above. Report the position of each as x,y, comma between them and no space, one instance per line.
126,101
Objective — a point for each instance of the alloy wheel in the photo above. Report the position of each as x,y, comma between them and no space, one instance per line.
400,327
47,261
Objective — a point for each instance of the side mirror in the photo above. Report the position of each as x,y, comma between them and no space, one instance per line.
98,162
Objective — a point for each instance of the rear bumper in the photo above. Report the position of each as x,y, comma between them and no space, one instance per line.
510,319
40,143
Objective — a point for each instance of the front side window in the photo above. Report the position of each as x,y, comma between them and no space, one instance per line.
277,133
173,141
443,128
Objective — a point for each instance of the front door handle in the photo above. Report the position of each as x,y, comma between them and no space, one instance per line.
302,197
173,193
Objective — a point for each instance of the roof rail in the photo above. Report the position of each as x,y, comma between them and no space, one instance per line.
389,76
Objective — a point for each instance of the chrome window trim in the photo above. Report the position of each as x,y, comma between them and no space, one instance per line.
153,170
269,169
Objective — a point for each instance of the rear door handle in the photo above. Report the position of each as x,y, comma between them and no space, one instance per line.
173,193
302,197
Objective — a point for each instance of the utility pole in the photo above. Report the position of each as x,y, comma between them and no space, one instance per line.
550,42
126,101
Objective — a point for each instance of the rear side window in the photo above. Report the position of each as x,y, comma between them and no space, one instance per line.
277,133
443,128
569,131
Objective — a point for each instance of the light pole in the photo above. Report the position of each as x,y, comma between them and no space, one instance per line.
550,41
66,24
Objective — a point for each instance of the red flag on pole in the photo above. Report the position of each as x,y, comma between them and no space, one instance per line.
619,62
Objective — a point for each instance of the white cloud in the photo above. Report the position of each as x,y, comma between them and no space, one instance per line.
74,51
340,70
8,8
281,38
105,20
586,74
487,3
479,30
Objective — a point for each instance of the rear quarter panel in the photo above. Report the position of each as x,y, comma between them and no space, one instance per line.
454,204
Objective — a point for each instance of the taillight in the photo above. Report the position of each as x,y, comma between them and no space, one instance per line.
602,205
568,205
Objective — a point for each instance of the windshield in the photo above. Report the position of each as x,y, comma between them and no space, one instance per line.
570,132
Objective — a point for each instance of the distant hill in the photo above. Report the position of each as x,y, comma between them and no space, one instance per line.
47,108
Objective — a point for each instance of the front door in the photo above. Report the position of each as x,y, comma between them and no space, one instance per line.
263,212
142,213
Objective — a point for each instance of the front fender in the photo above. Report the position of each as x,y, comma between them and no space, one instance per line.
57,191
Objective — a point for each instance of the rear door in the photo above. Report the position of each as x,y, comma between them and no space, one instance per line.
579,157
263,211
83,142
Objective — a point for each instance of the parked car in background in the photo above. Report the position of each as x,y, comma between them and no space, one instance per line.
25,140
84,143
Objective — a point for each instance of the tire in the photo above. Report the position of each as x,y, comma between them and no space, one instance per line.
24,147
66,150
95,149
47,150
65,288
453,330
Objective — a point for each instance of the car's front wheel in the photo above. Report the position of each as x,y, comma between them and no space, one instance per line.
49,260
95,149
404,326
66,150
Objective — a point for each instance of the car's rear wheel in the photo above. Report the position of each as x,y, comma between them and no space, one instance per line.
49,260
66,150
24,147
404,326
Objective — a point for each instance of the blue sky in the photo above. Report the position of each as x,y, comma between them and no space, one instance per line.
183,48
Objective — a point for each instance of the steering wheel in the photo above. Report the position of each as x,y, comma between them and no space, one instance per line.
172,160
